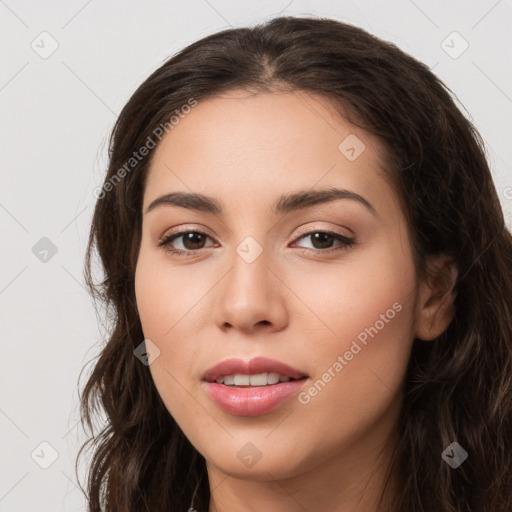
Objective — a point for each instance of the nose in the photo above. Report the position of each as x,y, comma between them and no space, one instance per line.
251,297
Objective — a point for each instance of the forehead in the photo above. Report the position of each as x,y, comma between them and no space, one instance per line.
249,148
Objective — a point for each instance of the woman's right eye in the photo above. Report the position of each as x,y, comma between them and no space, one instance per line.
190,238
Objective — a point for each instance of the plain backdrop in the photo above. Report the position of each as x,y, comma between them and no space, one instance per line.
68,67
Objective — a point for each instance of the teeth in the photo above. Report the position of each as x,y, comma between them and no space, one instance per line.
229,380
273,378
242,380
260,379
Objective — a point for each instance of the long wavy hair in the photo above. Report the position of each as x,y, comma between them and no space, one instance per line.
458,386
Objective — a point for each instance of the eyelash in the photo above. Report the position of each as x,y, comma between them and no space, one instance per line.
346,242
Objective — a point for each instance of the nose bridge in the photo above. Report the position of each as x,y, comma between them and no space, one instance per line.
250,293
250,273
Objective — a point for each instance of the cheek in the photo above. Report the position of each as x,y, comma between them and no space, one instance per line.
168,301
355,293
166,296
361,359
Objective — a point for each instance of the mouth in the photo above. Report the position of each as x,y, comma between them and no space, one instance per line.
252,388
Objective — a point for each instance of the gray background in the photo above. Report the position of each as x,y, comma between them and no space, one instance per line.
57,111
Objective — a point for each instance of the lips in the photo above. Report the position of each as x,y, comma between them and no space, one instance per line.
252,400
255,366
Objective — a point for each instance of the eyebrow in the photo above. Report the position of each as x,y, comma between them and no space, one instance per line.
285,203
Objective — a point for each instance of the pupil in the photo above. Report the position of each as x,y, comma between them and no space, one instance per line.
192,238
323,238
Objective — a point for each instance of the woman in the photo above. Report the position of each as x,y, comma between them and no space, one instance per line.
309,276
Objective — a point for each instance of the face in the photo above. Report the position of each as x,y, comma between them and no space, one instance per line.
325,287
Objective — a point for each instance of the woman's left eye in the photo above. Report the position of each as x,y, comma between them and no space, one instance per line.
322,241
326,238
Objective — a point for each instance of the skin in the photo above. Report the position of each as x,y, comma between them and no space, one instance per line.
302,308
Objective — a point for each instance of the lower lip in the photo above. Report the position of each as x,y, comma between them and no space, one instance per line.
252,401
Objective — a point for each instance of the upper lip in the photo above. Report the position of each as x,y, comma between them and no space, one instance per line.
252,367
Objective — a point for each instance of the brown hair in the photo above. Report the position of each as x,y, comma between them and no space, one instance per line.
458,386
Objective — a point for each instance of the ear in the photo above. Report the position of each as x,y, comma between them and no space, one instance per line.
436,297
